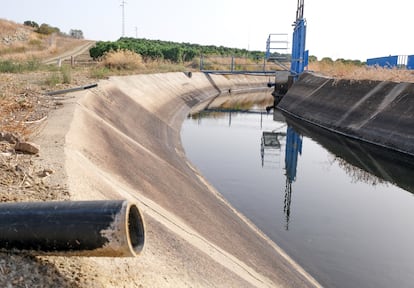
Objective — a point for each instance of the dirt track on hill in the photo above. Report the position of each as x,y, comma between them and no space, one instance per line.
79,50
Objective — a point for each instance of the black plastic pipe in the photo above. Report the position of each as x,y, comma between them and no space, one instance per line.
84,87
72,228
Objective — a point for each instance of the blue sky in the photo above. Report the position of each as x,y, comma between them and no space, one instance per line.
337,29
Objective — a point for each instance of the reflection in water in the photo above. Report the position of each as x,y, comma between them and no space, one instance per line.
358,174
221,113
363,162
342,225
271,141
293,149
270,147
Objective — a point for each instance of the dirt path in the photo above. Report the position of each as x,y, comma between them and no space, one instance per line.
79,50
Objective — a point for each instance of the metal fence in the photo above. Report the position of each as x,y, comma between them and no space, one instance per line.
396,61
234,64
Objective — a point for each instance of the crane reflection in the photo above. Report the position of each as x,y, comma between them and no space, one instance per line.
292,152
271,144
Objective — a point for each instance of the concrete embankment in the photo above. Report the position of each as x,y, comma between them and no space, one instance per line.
124,142
377,112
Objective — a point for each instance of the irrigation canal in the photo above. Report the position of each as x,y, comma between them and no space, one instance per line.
341,209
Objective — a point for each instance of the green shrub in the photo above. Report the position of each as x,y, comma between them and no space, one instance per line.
31,24
32,65
8,66
174,54
100,73
53,79
47,29
66,74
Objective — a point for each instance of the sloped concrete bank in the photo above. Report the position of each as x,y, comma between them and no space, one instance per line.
124,142
377,112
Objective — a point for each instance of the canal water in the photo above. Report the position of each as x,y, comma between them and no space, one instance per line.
343,210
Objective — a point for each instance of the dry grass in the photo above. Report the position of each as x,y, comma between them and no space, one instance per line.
21,50
22,103
130,63
157,66
341,70
122,60
238,64
13,114
126,62
8,27
20,43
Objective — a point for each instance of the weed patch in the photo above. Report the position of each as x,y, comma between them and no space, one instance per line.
100,73
66,74
9,66
53,79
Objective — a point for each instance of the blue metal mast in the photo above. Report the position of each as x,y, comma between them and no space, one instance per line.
299,55
293,140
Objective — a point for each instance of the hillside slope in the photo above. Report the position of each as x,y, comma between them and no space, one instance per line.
20,42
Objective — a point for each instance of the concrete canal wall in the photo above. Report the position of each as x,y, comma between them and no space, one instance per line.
124,142
378,112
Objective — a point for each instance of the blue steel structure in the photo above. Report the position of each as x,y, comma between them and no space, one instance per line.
293,140
293,149
410,62
298,63
395,61
386,62
292,152
299,55
276,42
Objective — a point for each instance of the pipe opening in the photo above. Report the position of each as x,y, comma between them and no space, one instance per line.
72,228
136,229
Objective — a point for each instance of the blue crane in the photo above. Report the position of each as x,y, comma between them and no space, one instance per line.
299,55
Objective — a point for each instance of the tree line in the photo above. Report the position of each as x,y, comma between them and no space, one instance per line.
167,50
184,52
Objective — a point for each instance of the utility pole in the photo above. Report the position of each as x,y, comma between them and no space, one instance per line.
123,2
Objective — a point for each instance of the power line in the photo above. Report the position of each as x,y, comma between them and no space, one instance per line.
123,2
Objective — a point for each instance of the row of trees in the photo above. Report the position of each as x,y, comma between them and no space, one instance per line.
46,29
183,52
172,51
340,60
